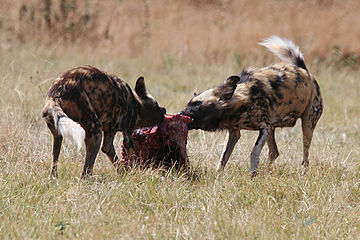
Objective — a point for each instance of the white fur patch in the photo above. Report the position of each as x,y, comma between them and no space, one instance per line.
281,74
70,129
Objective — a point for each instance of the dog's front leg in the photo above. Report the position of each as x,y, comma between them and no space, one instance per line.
108,149
255,153
129,146
232,138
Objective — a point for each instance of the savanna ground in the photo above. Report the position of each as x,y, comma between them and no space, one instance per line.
180,47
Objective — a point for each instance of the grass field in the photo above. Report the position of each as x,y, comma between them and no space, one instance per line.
179,48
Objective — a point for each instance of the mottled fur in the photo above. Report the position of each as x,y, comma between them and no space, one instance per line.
261,99
98,102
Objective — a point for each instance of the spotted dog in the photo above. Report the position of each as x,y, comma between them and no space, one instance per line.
85,101
261,99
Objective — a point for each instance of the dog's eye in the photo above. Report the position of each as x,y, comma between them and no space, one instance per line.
196,103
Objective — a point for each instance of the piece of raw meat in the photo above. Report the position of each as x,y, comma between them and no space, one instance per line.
163,145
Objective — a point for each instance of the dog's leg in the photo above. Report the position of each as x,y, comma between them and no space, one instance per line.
273,150
232,138
93,129
255,153
309,120
307,137
308,124
108,149
57,140
92,142
128,144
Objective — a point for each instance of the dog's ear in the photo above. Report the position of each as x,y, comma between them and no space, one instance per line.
226,90
140,87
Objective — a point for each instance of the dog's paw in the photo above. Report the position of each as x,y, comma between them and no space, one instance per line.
253,174
304,170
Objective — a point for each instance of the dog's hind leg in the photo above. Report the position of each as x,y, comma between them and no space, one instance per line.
273,150
232,138
108,149
92,142
308,123
93,130
255,153
307,137
308,129
57,140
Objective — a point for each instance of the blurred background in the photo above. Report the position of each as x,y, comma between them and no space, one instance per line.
180,45
208,30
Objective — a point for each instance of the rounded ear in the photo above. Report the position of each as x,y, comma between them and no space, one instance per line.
140,87
225,90
196,94
233,80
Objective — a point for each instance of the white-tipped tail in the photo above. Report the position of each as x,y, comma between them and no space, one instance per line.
58,121
69,128
285,50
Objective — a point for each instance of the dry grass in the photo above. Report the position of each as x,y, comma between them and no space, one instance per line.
212,30
181,48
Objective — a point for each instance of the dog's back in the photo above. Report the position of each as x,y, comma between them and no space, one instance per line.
87,88
280,92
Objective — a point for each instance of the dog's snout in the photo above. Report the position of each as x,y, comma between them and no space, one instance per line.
163,110
183,112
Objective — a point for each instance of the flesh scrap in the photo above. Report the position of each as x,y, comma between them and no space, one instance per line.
163,145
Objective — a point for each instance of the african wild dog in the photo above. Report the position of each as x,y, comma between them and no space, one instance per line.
261,99
85,101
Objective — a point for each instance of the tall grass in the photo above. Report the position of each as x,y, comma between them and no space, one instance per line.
180,48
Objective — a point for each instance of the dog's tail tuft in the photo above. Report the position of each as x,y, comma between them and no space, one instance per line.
285,49
60,123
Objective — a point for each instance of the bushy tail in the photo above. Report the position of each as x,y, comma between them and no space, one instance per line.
285,49
59,122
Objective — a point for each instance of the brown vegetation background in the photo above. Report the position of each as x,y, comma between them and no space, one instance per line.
211,30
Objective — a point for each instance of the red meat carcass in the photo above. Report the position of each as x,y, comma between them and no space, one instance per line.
163,145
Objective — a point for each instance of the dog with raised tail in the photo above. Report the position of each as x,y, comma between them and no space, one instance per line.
85,101
261,99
